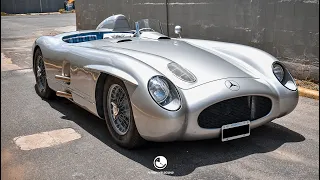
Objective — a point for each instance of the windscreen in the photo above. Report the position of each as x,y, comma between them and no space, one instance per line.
148,25
115,23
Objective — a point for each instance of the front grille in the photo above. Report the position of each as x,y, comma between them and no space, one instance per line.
234,110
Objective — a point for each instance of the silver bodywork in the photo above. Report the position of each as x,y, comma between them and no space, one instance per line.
212,63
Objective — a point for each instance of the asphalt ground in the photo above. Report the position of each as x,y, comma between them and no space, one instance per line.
19,32
287,148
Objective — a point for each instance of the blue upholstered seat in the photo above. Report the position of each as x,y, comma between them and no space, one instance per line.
90,36
78,39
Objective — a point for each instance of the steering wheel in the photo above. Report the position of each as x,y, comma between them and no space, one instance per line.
145,29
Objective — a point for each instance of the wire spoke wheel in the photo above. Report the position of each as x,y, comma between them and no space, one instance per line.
41,74
119,109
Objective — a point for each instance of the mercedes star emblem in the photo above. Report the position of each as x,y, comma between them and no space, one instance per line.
232,85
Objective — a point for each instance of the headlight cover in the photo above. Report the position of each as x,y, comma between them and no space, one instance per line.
278,71
181,73
164,93
284,76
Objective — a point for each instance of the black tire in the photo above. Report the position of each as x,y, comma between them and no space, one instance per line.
131,139
42,88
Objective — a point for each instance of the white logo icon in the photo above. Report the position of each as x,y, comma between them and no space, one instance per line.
160,162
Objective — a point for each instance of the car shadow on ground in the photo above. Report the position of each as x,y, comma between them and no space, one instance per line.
183,157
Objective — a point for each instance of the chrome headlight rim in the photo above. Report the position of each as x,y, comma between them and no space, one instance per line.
287,77
172,86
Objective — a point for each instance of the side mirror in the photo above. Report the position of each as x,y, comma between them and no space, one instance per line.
178,30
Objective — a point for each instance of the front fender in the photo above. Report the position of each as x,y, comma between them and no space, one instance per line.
113,71
256,61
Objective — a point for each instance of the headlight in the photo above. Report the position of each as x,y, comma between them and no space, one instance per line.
164,93
284,76
278,71
159,89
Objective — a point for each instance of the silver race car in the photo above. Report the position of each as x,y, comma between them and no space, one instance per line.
148,86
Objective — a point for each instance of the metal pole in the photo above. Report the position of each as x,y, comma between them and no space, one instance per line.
40,5
167,16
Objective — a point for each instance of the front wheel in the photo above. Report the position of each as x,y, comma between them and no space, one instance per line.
42,88
118,114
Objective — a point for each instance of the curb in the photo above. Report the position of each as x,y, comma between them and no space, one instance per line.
33,14
44,13
308,93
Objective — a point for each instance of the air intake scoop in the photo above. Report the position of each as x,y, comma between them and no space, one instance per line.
123,40
153,35
120,40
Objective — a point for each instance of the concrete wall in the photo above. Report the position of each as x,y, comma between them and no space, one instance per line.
287,29
30,6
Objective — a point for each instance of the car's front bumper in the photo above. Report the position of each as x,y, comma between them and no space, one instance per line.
157,124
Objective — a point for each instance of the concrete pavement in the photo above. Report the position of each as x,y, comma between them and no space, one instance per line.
287,148
19,32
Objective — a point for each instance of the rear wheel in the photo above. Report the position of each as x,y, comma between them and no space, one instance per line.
118,114
42,88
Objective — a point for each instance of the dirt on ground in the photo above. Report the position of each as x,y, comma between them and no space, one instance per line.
307,84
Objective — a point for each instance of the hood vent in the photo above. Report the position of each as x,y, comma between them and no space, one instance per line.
181,73
123,40
164,37
153,35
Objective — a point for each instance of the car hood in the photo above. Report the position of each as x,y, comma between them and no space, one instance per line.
206,65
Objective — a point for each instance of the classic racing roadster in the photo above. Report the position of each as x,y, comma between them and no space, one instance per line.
148,86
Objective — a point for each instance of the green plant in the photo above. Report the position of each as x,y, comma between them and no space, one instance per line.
62,11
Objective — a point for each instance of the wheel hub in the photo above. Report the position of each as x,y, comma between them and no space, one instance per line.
115,109
39,71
